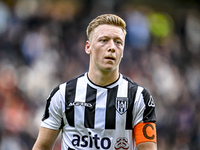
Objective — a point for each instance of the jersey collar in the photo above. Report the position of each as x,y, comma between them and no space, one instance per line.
106,86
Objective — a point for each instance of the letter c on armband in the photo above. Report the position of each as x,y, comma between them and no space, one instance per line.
145,131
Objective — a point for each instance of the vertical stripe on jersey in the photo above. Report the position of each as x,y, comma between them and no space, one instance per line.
110,122
136,105
79,110
69,98
122,93
131,94
100,113
90,111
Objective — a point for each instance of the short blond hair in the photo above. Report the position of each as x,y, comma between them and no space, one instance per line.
106,19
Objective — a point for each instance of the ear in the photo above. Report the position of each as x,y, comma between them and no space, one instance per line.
87,47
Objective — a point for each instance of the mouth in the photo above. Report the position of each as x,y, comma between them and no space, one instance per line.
110,58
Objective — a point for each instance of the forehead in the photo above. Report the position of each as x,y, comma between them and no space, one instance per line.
108,30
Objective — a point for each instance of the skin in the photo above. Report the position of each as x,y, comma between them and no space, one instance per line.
46,139
105,48
147,146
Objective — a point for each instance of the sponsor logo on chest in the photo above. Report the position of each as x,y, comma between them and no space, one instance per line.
91,141
95,141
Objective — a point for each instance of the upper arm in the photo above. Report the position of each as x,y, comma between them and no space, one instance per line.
144,107
54,110
46,139
145,133
144,121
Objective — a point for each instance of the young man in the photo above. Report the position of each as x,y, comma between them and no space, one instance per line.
100,109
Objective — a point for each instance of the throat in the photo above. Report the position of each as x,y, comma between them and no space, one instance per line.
103,78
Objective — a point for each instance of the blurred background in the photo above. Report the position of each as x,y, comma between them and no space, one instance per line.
42,45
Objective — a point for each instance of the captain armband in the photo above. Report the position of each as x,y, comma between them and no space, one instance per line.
145,132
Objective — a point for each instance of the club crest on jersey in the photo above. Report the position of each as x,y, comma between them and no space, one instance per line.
121,105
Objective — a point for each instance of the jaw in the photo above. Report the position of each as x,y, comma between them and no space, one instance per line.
104,69
106,65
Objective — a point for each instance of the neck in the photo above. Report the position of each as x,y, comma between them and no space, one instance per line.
103,78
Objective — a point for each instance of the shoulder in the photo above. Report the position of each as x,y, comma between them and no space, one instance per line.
75,79
136,85
139,92
72,82
63,85
130,81
133,86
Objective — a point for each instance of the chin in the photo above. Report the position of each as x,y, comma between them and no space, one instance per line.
109,69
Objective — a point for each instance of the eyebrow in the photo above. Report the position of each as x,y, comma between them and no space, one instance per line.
105,36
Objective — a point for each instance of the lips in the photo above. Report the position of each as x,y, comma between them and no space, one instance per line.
110,58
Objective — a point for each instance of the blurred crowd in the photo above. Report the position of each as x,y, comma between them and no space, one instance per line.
42,45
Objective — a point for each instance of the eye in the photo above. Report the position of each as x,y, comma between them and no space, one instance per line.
103,40
119,42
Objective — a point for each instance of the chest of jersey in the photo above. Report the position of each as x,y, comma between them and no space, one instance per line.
99,108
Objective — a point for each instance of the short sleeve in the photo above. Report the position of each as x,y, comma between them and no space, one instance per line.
144,107
149,112
52,117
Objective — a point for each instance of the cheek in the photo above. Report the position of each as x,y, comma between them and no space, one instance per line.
96,54
120,54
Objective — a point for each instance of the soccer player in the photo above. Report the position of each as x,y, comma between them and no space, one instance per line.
100,109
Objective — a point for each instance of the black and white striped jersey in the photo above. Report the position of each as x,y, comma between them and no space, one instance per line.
94,117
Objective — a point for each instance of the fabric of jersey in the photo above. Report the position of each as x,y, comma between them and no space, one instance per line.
93,117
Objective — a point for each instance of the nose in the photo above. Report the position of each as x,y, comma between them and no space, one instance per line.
111,47
111,50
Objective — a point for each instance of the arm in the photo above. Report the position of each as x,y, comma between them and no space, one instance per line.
144,130
147,146
145,136
46,139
